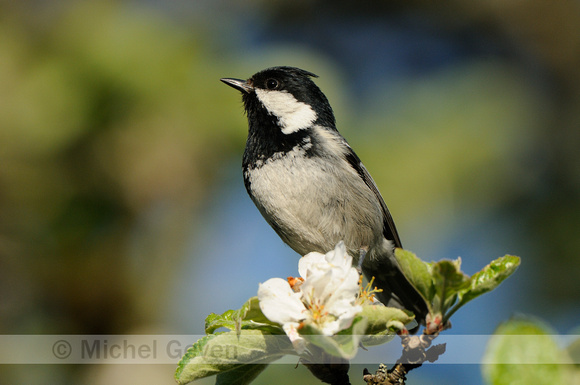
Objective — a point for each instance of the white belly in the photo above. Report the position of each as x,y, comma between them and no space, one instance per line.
312,208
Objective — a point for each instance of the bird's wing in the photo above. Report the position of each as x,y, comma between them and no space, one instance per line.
396,289
389,229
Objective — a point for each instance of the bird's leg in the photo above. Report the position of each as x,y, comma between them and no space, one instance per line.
361,258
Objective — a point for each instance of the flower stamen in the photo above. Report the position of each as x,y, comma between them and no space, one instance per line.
367,293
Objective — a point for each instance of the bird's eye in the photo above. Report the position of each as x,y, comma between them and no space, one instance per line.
272,84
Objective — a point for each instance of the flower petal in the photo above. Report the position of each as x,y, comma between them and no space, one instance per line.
346,285
291,329
326,299
339,257
311,263
279,302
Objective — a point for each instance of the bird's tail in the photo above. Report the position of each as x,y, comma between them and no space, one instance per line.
397,291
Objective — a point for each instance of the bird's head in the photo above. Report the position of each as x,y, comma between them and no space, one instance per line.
285,97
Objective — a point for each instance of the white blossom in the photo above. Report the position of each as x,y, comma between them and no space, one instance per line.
326,299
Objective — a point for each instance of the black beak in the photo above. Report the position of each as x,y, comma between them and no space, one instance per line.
238,84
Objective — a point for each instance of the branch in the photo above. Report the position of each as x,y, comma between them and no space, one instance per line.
416,351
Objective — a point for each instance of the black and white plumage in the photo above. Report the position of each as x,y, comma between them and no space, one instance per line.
309,184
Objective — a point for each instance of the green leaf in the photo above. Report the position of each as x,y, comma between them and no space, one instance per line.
223,352
344,344
241,375
382,323
378,317
448,280
445,287
195,351
249,316
573,349
489,278
215,321
522,351
417,272
448,274
251,312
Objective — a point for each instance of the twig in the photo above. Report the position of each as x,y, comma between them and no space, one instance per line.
416,351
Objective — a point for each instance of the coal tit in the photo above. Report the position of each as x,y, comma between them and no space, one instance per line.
309,184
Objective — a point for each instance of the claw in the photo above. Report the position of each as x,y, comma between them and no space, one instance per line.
362,255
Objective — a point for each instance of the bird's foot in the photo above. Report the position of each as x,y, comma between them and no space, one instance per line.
362,255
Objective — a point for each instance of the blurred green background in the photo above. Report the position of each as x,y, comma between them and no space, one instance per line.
122,207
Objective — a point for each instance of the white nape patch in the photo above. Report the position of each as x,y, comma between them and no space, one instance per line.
333,143
292,114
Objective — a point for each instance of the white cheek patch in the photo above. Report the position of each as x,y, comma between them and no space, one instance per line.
292,114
